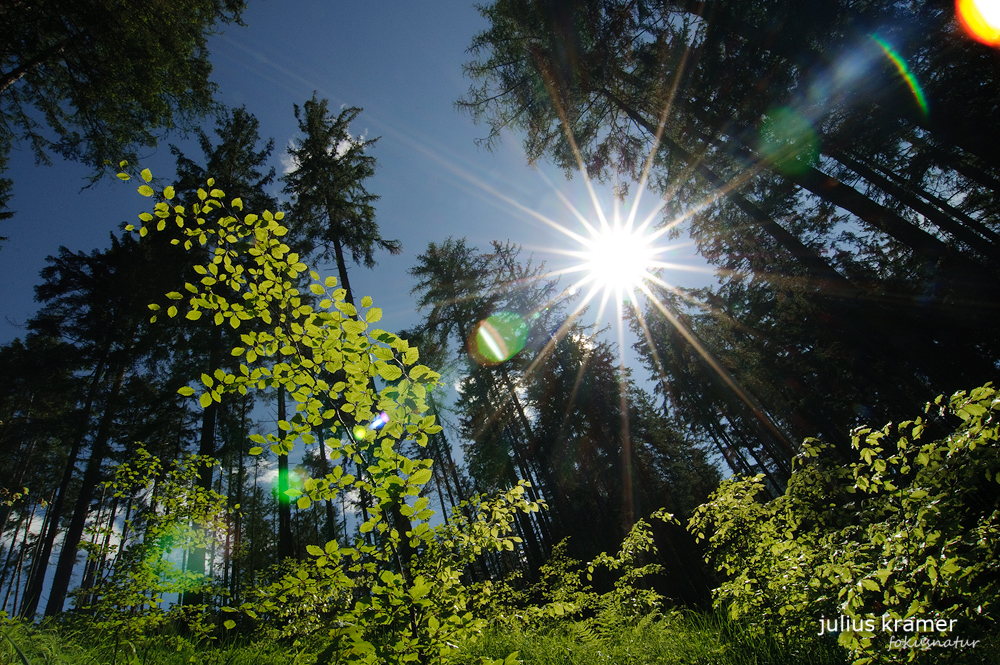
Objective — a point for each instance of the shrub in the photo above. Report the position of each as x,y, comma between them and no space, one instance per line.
908,530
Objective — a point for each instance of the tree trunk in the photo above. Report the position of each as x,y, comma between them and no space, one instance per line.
91,476
286,547
206,447
974,240
36,582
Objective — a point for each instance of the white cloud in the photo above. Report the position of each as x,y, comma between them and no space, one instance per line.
270,477
288,161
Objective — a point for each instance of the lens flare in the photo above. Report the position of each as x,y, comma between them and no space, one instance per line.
980,20
497,338
379,421
360,432
789,141
904,71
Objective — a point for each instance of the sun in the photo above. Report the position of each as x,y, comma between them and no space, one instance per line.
618,259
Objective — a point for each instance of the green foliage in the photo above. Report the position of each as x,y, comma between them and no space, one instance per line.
563,598
399,599
380,614
910,529
105,78
128,603
677,638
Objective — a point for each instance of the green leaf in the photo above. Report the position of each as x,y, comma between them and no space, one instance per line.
303,503
373,315
388,372
187,391
193,314
383,353
146,175
314,550
205,400
168,192
420,477
146,190
229,624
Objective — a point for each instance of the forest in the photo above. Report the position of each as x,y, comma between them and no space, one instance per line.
210,452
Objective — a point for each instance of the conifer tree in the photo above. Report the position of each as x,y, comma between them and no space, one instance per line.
95,80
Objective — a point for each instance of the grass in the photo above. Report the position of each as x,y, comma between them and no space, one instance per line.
22,644
686,638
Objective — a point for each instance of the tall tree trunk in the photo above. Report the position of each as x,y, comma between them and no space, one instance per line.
91,476
6,565
338,251
331,514
39,566
234,589
940,219
206,446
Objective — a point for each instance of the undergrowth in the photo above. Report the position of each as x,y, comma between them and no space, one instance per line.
677,638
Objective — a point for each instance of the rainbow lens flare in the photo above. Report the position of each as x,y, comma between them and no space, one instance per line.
980,19
904,71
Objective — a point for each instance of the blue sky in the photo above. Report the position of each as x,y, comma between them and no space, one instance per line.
401,62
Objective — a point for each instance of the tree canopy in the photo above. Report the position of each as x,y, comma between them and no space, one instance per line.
95,80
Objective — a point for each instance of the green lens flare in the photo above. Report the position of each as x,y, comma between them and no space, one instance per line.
498,338
789,141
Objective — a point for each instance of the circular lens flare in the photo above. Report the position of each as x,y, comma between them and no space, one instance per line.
618,258
980,19
498,338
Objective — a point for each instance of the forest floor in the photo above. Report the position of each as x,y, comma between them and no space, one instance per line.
688,639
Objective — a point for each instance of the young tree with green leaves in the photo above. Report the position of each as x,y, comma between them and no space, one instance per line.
332,209
400,599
